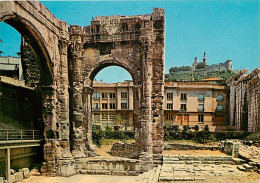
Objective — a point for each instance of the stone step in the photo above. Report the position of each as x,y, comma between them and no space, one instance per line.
175,178
247,166
241,168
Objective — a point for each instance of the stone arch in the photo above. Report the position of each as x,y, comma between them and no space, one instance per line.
112,62
139,48
28,30
49,39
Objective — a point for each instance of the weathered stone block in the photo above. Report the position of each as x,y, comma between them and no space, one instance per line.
18,176
26,172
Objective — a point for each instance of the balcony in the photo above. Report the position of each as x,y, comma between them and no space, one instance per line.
184,98
184,109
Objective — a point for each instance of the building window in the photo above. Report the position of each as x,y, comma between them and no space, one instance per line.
183,107
96,117
219,97
169,96
112,95
169,117
96,106
201,97
104,117
169,106
201,107
123,94
183,96
112,106
104,106
96,95
112,117
201,118
123,105
104,95
219,107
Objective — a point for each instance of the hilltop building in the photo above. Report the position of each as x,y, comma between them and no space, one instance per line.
226,66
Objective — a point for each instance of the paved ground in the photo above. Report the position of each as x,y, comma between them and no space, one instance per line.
207,173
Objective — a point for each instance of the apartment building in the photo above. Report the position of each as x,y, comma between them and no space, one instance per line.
112,104
186,103
195,103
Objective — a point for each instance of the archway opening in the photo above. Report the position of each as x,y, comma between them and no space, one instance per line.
113,108
21,109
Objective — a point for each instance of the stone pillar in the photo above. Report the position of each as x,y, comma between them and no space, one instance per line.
79,131
87,103
144,142
157,97
63,91
50,133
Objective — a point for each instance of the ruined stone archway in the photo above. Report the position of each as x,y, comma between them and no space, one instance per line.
135,43
46,40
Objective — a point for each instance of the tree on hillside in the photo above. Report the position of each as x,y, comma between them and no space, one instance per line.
178,69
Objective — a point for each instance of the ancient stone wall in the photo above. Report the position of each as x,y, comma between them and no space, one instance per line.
226,66
253,98
244,100
120,149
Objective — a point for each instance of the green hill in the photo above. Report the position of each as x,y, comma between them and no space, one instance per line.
198,75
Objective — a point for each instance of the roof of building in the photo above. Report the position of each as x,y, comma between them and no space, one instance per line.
211,79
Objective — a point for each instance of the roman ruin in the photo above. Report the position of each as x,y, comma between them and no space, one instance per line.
60,63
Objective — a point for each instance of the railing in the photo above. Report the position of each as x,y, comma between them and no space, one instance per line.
16,134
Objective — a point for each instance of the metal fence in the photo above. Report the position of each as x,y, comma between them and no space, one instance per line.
16,134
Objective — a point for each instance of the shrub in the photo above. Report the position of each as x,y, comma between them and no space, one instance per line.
231,135
175,128
202,136
97,135
206,128
116,128
196,128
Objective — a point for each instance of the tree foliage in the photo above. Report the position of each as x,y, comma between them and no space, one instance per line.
178,69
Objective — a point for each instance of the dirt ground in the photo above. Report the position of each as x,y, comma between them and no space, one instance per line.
82,179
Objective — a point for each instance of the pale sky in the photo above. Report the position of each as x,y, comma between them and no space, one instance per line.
223,29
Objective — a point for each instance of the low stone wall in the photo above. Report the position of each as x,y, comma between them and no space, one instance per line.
120,149
179,146
110,166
